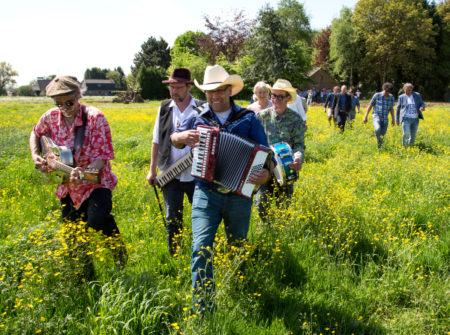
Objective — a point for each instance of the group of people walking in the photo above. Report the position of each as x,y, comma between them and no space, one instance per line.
277,115
266,121
341,108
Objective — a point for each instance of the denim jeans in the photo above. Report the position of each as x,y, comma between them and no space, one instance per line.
410,127
272,191
381,127
173,194
209,207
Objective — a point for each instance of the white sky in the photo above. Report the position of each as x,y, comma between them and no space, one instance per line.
43,37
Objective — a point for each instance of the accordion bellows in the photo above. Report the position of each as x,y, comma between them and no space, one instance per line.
227,159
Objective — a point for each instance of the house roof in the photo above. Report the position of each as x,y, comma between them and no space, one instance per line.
314,71
98,84
41,84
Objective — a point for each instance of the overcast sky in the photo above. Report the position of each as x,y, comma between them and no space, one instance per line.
40,38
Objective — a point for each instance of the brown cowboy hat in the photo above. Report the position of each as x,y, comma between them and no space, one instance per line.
179,75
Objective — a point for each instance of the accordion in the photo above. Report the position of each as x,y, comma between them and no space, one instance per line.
227,159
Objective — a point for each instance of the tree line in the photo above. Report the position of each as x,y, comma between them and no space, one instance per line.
379,40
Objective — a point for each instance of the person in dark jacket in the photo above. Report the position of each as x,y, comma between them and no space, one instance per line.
212,202
329,102
342,106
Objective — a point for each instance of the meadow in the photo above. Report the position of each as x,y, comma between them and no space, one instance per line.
363,249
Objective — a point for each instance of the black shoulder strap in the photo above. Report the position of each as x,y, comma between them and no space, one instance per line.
80,130
199,102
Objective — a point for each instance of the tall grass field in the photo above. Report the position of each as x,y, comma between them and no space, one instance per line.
363,249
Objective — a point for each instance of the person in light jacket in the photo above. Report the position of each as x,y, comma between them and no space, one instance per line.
409,110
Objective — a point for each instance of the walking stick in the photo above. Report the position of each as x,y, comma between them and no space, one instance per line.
159,204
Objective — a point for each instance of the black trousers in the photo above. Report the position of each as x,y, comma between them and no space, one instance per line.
96,212
173,194
341,119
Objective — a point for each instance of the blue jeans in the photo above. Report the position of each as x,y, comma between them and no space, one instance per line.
209,207
381,127
272,191
410,127
173,194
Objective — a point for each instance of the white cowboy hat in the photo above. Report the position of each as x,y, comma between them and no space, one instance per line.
285,85
215,76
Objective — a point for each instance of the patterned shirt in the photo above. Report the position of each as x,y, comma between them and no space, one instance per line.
285,128
97,145
381,105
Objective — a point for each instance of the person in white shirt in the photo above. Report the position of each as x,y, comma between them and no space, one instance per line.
410,107
298,106
171,115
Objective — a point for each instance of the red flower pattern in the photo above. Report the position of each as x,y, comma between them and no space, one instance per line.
97,145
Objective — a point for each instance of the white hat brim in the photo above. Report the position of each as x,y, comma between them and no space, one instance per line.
236,82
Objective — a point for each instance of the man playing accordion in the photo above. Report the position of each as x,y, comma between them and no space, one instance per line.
210,203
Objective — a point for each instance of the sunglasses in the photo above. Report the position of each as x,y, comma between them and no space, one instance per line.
69,103
278,97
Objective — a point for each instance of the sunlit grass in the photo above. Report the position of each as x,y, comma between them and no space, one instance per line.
364,248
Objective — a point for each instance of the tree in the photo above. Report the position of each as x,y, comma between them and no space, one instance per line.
397,41
153,53
25,91
442,68
118,77
436,84
149,79
95,73
322,48
294,20
344,48
271,53
6,77
186,43
225,36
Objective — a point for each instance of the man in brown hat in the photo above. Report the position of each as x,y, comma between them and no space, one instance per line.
171,115
211,203
85,131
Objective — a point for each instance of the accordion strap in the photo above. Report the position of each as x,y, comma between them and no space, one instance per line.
236,116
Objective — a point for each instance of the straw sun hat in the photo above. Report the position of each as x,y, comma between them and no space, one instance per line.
285,85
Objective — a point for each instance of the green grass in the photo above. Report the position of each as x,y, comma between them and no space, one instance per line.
364,249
